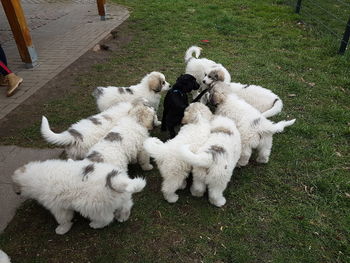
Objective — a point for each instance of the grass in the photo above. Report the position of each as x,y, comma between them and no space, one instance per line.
294,209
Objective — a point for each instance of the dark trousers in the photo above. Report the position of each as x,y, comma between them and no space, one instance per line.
4,70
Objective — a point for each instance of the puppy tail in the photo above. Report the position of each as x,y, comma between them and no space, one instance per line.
126,185
271,127
203,159
155,148
190,51
63,138
136,185
276,108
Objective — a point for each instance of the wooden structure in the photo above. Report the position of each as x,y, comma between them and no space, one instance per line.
20,30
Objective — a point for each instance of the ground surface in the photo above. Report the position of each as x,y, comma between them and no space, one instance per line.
294,209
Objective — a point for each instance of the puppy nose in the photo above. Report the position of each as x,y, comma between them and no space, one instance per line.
204,81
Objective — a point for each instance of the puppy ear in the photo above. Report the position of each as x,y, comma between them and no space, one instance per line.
155,83
216,98
144,116
220,75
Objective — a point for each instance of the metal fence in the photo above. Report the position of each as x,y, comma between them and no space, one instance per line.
332,16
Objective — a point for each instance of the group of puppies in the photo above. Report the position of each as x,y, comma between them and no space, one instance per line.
94,179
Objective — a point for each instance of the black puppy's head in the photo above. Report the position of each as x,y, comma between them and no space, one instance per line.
186,83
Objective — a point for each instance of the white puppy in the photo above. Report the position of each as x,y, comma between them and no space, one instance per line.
256,131
173,170
4,258
199,67
264,100
95,190
150,88
81,136
124,143
214,161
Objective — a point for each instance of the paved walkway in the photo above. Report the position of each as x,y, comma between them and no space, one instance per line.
62,31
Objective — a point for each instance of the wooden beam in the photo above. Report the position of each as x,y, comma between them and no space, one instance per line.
20,30
101,6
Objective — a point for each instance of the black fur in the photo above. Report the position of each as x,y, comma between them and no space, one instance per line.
176,101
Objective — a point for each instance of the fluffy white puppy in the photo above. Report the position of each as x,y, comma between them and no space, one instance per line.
256,131
150,88
173,170
81,136
199,67
264,100
124,143
4,258
97,191
215,160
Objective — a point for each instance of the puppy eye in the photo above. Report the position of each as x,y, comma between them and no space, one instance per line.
163,82
205,74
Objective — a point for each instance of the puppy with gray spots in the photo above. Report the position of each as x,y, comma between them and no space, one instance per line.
198,67
150,88
81,136
264,100
97,191
256,131
124,142
214,161
174,170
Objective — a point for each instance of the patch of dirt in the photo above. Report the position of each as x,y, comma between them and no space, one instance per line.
64,83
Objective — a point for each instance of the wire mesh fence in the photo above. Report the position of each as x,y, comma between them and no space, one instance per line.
331,17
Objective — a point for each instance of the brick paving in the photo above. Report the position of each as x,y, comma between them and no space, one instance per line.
61,31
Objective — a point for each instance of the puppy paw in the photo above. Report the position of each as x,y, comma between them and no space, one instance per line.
184,184
123,216
96,225
147,167
62,229
196,193
242,163
262,159
171,198
157,123
218,202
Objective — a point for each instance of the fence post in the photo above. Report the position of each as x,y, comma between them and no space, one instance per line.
345,39
297,7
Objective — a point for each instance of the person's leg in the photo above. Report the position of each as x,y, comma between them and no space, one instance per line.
11,80
4,70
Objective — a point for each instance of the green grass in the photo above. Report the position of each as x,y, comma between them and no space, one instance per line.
294,209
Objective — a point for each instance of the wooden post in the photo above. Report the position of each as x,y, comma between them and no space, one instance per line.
298,6
345,40
20,30
101,6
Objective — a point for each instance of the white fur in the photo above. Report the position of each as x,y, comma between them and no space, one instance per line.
128,148
173,170
213,169
109,96
61,187
4,258
91,132
264,100
256,131
198,67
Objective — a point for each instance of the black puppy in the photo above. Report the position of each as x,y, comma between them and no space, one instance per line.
176,101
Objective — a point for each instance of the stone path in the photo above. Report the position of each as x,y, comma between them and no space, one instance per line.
62,31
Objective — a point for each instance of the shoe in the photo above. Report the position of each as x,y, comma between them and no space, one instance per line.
3,81
13,82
